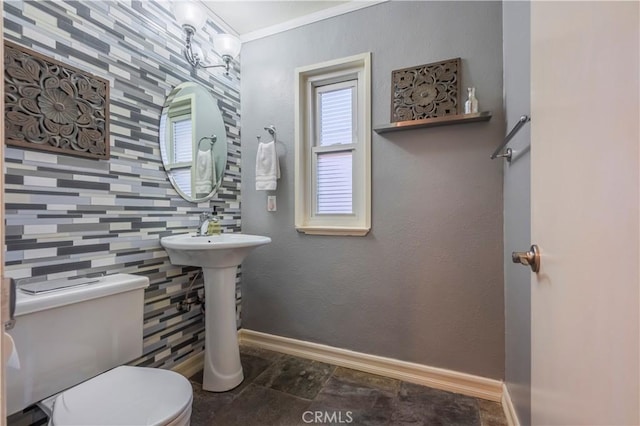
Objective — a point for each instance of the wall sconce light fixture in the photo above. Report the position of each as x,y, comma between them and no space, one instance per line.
191,17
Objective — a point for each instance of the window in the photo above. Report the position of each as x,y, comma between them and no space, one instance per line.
333,147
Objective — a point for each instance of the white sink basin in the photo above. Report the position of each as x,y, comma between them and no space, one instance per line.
216,251
219,257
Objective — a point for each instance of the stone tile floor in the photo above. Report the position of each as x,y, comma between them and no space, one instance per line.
285,390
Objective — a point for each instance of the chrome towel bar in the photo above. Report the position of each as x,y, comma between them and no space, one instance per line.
523,119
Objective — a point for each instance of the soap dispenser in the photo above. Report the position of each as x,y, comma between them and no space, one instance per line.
214,227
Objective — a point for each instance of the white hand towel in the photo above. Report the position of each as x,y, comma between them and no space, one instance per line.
205,172
267,167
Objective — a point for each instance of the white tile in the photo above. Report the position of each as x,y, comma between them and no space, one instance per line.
174,321
119,226
89,51
17,198
114,109
116,52
40,253
38,15
162,354
173,288
120,168
120,17
86,220
40,181
115,129
162,51
38,36
137,46
69,207
175,336
120,188
40,157
104,261
120,72
18,273
121,246
103,201
152,339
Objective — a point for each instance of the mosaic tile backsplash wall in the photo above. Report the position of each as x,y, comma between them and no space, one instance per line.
68,216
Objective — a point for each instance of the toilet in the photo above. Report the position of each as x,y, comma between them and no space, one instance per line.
72,342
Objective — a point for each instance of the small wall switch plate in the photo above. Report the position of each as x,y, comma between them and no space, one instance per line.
271,203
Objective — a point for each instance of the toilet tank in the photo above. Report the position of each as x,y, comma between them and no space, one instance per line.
67,336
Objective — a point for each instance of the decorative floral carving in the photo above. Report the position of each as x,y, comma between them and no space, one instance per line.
426,91
58,106
54,107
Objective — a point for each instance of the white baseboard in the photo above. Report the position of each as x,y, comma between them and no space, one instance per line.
190,366
509,409
439,378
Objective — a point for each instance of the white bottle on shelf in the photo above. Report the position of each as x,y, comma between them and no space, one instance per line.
471,105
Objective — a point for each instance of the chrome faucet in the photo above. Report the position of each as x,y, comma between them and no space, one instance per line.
205,218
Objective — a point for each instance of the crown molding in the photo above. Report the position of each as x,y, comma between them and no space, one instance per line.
309,19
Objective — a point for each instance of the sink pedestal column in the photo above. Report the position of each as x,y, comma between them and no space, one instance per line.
222,368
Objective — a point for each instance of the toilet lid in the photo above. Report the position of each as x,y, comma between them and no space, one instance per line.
125,396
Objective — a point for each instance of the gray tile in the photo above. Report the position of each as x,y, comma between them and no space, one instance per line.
363,398
420,405
252,367
367,379
491,413
81,196
296,376
208,404
259,406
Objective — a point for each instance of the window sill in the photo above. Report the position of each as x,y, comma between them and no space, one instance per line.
333,230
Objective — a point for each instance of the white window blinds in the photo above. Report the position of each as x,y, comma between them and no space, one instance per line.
335,138
182,140
335,183
182,177
335,116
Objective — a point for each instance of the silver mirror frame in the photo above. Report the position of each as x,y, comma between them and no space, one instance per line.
212,128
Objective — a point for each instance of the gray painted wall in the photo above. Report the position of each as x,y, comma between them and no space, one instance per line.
426,285
517,212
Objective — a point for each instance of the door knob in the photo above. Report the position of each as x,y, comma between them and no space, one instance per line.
530,258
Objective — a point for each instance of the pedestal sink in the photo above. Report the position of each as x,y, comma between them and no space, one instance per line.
219,257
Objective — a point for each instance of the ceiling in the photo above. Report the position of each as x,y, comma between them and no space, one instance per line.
248,16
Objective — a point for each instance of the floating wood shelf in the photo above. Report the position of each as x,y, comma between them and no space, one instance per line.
433,122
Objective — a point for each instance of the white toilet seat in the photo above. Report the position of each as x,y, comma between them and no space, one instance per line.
131,396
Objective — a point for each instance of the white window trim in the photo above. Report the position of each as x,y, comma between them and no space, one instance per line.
358,224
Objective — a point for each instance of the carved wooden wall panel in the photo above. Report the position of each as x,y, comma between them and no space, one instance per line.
54,107
426,91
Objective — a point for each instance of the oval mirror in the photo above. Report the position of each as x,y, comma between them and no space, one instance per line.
193,142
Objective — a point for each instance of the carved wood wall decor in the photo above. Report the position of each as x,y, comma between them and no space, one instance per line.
54,107
426,91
